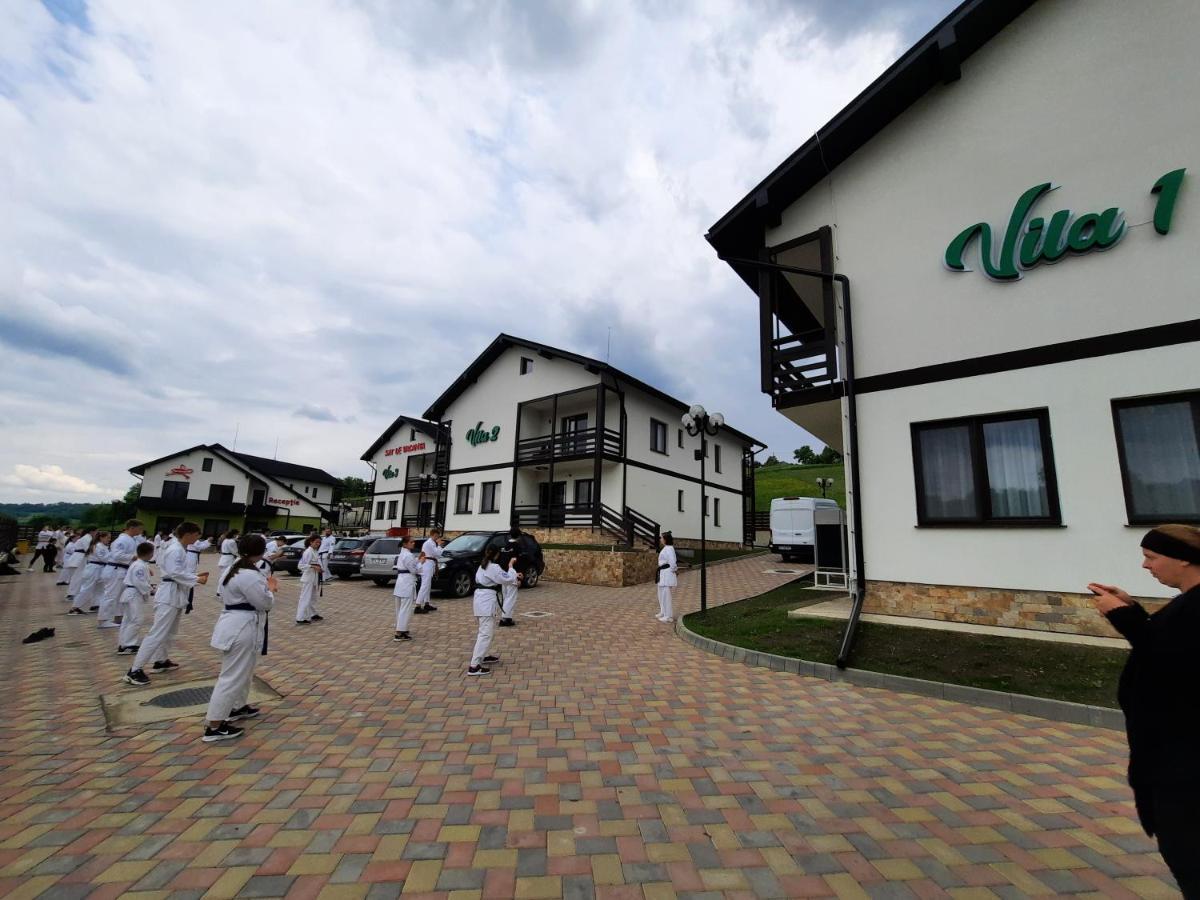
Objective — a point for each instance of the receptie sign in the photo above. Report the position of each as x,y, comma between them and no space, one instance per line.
272,501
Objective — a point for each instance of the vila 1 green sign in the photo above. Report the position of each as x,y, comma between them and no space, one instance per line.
480,435
1030,240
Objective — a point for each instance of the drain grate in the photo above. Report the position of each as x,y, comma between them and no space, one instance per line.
192,696
536,614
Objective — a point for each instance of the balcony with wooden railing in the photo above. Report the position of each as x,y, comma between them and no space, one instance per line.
569,445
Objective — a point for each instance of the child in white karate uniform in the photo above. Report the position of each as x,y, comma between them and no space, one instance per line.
135,598
407,566
239,634
310,583
668,567
489,582
87,599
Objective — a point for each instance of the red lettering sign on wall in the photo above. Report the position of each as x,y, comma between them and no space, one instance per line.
404,448
271,501
181,470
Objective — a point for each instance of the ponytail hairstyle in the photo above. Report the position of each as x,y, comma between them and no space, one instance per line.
668,539
249,546
490,555
95,540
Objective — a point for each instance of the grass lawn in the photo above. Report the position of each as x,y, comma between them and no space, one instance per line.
1080,674
786,480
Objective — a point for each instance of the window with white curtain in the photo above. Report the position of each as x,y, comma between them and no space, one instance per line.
1158,444
984,470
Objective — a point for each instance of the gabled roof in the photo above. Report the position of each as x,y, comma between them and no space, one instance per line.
426,428
933,60
504,341
235,460
278,469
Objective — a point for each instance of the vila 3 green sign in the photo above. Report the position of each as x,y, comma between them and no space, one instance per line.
480,435
1030,240
389,472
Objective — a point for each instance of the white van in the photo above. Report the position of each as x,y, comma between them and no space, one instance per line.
792,526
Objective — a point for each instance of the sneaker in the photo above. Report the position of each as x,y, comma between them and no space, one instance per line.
245,712
223,732
658,616
108,625
165,664
75,611
491,659
667,620
429,607
136,677
479,670
402,636
317,618
303,622
420,611
93,608
507,623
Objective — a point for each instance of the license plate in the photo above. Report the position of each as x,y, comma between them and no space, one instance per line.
785,546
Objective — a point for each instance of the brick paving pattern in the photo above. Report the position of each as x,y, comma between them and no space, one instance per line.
604,758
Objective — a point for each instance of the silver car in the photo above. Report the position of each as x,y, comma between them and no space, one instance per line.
379,560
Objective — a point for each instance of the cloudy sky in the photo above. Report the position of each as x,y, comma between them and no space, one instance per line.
292,221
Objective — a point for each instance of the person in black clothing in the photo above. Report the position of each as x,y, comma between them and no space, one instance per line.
1158,693
514,548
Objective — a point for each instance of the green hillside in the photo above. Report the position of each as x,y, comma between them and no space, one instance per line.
787,480
52,512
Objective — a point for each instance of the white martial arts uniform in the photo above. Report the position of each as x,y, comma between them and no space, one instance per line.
273,552
135,598
91,583
667,579
310,582
432,554
487,606
169,602
76,564
68,568
229,555
239,636
121,553
327,544
406,584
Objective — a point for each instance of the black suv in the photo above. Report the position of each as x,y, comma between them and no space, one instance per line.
461,557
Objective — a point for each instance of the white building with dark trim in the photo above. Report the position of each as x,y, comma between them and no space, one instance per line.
1009,354
219,489
549,439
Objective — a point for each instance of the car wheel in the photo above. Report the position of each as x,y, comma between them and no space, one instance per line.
532,577
381,582
462,584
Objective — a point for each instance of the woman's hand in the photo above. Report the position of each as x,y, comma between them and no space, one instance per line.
1109,597
272,583
202,578
512,564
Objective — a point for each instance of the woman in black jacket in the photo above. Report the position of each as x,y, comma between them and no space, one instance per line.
1159,693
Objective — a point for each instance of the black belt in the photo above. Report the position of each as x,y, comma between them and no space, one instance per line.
118,565
493,587
97,562
249,607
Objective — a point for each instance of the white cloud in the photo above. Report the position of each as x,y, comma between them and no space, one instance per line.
51,482
215,217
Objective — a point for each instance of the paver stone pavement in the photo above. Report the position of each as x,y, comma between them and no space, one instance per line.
604,757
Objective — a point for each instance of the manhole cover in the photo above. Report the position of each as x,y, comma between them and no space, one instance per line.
187,697
781,572
536,614
164,702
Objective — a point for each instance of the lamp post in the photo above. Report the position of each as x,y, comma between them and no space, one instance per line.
697,421
824,484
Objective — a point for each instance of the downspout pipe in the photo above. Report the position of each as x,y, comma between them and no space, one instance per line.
859,590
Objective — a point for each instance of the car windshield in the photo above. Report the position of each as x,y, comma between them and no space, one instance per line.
300,544
467,543
387,545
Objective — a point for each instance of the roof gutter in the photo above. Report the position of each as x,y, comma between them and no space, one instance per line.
859,588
